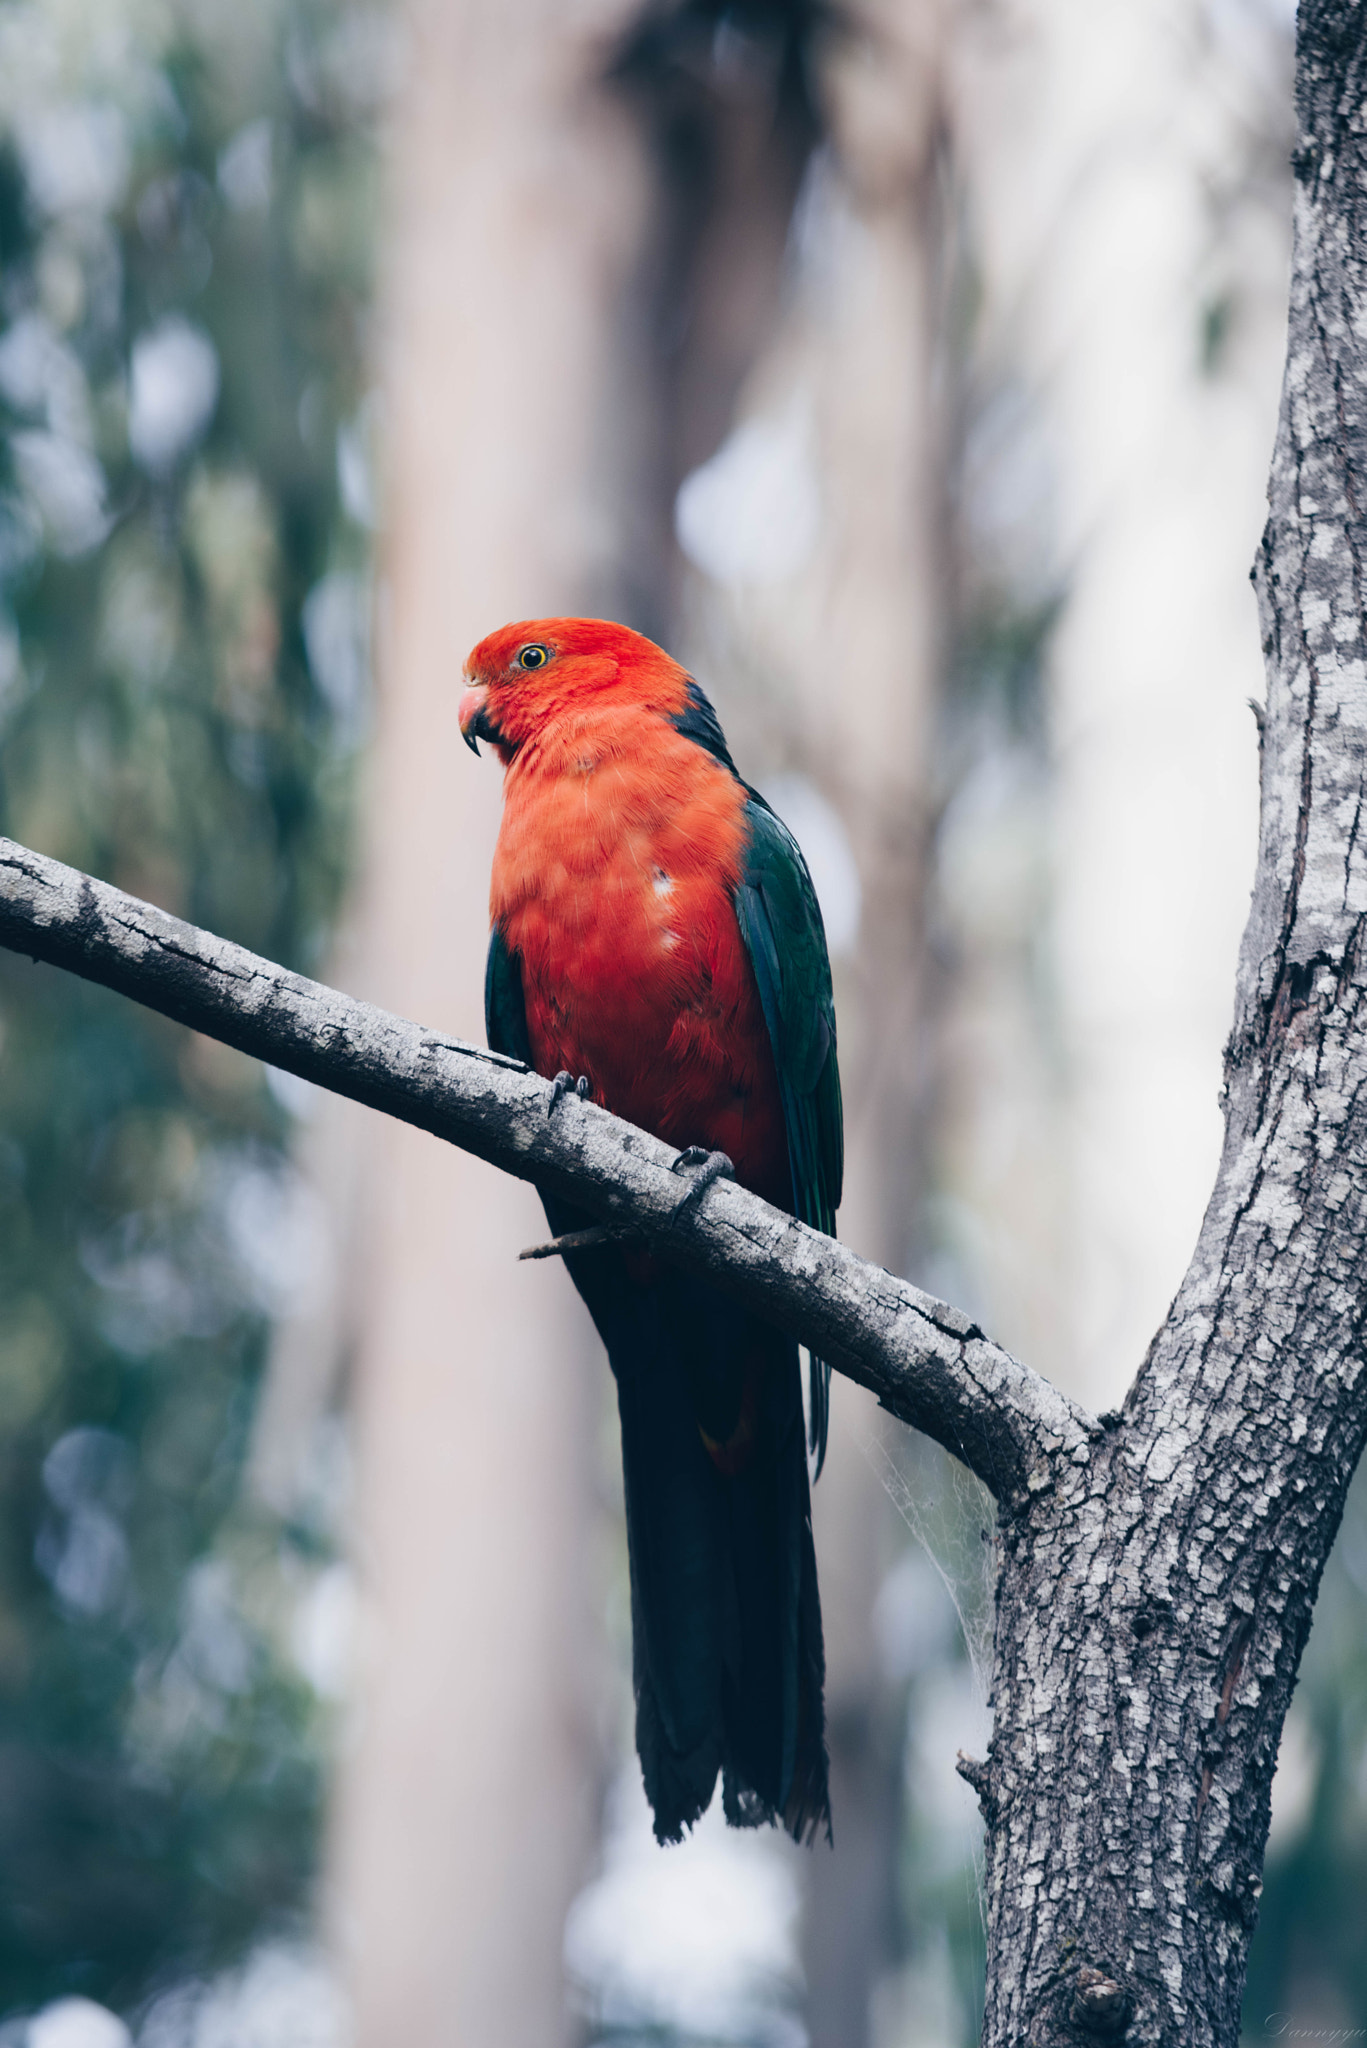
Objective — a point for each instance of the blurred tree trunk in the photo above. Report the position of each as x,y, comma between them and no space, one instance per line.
867,681
1142,371
466,1811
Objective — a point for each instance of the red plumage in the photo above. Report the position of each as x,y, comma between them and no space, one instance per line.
620,906
630,851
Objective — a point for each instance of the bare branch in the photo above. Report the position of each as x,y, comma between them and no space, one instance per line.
927,1363
578,1241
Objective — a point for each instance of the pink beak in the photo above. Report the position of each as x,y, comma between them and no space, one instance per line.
473,714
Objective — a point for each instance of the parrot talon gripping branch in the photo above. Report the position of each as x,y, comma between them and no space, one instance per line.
711,1167
562,1085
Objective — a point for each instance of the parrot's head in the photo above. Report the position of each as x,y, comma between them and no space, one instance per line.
529,678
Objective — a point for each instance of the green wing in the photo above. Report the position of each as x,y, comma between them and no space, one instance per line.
505,1008
780,922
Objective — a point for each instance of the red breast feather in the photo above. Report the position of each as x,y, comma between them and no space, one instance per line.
621,846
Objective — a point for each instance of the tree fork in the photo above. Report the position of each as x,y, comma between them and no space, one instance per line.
1152,1607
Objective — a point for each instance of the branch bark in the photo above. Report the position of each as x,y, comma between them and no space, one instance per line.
927,1363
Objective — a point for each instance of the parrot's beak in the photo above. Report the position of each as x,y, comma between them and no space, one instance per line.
475,723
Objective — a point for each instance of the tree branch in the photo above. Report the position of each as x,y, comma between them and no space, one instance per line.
928,1364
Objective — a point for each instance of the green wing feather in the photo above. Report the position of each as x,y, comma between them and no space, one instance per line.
780,922
505,1006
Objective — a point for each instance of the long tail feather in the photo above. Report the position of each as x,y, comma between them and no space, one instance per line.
728,1664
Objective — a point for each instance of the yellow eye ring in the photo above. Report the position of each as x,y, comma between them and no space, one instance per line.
534,657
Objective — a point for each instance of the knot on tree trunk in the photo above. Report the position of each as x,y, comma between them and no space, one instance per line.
979,1776
1100,2005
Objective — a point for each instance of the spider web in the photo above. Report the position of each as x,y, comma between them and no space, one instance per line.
952,1518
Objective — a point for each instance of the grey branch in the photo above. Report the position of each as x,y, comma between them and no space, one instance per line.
927,1363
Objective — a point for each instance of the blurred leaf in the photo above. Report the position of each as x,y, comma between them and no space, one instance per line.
186,225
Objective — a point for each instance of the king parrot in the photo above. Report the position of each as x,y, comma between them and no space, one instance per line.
656,938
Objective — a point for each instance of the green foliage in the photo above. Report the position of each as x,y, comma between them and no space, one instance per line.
187,195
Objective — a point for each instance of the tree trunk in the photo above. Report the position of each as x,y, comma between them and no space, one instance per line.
1155,1597
466,1809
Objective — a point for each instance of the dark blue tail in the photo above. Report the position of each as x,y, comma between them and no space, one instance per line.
726,1619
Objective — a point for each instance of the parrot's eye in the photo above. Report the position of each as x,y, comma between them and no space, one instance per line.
534,657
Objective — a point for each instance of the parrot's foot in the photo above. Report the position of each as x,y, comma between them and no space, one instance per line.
711,1166
562,1085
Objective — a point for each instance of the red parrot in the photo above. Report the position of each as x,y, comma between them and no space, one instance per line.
656,936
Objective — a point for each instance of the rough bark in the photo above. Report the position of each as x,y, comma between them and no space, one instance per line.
927,1362
1153,1604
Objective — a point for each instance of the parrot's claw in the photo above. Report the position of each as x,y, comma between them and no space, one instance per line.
711,1166
561,1086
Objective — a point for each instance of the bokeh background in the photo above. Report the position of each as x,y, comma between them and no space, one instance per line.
911,368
